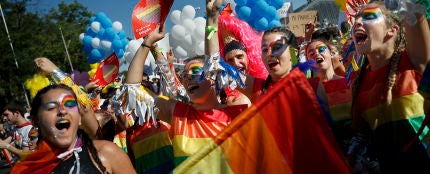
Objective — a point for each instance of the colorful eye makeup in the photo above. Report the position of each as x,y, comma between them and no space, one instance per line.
195,69
277,47
65,101
372,15
321,48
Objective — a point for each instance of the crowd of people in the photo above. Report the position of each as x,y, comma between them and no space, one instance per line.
366,76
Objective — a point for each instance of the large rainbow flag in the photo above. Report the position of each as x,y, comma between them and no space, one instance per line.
284,132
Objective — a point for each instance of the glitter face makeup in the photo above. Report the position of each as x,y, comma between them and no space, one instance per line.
275,48
372,15
195,69
65,101
320,49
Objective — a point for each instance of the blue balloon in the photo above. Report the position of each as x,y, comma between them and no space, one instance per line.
106,23
101,33
121,34
276,3
261,24
271,13
109,34
95,56
260,6
100,15
90,32
243,12
124,42
241,2
116,45
116,37
120,53
274,23
88,48
87,40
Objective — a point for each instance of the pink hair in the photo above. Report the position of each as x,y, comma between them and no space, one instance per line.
241,31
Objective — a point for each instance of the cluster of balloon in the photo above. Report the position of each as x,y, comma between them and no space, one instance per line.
187,35
102,37
260,14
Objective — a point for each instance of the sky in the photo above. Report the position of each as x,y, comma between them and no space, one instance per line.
121,10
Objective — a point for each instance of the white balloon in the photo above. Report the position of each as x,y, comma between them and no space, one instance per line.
95,26
200,48
189,25
199,33
117,26
106,45
178,32
175,16
180,52
188,41
131,49
200,21
188,12
81,36
95,42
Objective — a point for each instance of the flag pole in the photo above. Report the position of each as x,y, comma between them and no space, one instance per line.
13,52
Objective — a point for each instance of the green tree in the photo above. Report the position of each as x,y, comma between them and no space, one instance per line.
36,35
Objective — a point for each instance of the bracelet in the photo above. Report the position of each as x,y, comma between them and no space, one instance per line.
143,45
211,31
58,75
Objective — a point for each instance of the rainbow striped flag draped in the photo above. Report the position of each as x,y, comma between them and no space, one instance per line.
151,148
284,132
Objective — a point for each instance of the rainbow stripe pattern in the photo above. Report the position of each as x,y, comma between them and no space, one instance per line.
395,124
283,132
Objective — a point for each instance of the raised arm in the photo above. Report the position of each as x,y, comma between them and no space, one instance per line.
418,42
135,70
211,43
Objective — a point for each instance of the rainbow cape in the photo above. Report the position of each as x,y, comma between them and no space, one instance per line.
284,132
42,161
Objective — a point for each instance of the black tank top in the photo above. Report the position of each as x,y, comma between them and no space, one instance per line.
86,165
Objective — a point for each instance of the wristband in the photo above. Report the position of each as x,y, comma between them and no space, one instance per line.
58,75
143,45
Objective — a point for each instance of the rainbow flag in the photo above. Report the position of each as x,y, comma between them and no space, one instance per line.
284,132
151,148
339,99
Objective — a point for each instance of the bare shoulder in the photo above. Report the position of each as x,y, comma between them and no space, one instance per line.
113,157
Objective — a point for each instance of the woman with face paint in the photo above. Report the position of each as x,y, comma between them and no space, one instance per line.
63,147
336,88
387,108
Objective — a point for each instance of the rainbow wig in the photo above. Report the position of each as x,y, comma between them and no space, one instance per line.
231,28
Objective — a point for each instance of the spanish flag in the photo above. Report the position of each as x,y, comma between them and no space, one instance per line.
284,132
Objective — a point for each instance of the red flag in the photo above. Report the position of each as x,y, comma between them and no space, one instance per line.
284,132
107,70
147,14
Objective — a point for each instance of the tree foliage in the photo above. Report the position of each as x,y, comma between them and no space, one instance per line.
35,34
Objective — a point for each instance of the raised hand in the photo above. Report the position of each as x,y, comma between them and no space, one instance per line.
45,65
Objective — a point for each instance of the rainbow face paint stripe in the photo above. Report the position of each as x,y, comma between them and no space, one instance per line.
372,15
66,101
321,48
195,69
